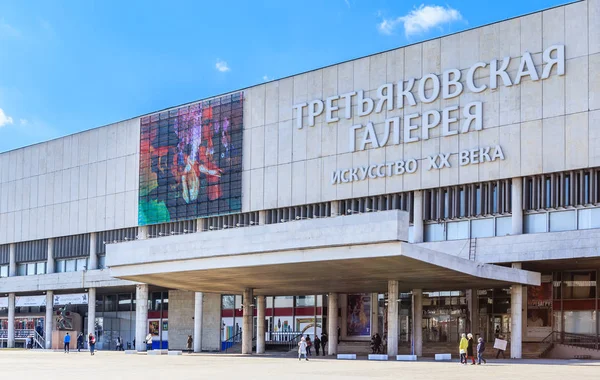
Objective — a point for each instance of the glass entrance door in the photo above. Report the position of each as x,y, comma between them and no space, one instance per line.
500,325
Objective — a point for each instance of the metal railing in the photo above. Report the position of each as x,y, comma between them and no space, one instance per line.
571,339
23,335
281,337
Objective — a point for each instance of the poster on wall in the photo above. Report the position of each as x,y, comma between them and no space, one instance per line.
539,309
191,161
153,327
359,314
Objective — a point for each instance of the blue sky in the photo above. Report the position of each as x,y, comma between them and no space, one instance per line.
68,66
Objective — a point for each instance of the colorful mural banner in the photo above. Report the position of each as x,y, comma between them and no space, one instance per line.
191,161
359,315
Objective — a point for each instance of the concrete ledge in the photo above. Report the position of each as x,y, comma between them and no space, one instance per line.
409,358
130,352
443,356
377,357
157,352
174,353
346,356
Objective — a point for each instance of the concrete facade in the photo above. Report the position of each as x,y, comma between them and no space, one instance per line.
547,125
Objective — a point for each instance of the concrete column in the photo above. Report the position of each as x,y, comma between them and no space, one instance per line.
517,206
417,321
262,217
50,259
11,320
516,318
418,228
198,314
343,306
332,323
335,208
12,264
93,261
473,305
49,318
199,225
141,316
142,235
260,325
392,333
91,325
247,327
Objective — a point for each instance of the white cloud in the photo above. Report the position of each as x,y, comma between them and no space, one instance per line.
266,78
5,119
7,30
222,66
420,20
23,121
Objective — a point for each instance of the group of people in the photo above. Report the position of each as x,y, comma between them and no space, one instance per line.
305,345
467,349
91,339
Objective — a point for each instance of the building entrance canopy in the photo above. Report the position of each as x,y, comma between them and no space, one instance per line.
356,253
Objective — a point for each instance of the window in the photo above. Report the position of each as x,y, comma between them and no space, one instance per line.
535,223
41,268
22,270
59,266
101,262
82,264
3,270
434,232
589,218
30,269
562,221
228,302
503,226
109,303
303,301
482,228
71,265
124,302
458,230
579,285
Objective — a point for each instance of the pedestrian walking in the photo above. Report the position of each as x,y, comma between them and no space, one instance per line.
470,351
79,342
324,341
480,349
302,349
339,335
317,343
92,343
308,345
67,341
190,341
462,348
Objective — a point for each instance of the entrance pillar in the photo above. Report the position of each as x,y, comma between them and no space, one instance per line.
93,262
50,259
247,326
260,325
332,323
473,305
198,314
392,335
418,217
48,318
91,324
417,321
11,321
141,316
516,318
517,206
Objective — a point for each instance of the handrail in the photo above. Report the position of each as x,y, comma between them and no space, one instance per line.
573,339
232,340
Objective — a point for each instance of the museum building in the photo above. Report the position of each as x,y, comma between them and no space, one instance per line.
444,187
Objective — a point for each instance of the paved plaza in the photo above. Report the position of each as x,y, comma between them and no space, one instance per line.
116,365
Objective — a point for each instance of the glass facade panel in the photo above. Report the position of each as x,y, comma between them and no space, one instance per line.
589,218
124,302
41,268
109,303
4,271
303,301
59,266
228,301
82,264
562,221
535,223
434,232
503,226
580,322
579,285
482,228
30,269
21,269
70,265
458,230
101,262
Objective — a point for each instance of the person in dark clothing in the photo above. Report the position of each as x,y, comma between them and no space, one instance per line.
339,335
317,343
470,348
79,342
308,345
480,349
91,343
378,342
324,341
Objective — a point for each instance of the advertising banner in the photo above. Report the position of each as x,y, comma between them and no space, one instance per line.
71,299
539,309
359,314
28,301
191,161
